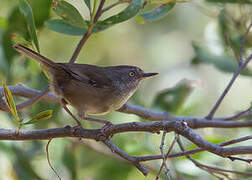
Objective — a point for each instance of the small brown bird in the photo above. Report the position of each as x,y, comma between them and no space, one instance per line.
88,88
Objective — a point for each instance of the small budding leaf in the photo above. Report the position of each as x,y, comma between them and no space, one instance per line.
39,117
10,102
26,10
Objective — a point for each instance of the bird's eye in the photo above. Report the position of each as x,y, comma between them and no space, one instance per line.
132,73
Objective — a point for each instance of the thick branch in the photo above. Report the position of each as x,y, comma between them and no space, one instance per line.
151,127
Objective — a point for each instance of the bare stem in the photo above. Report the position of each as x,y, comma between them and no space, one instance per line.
236,74
241,67
244,40
94,19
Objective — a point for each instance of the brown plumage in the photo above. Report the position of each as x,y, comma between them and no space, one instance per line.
90,89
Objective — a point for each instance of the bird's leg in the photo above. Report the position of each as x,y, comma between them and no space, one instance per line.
63,104
106,123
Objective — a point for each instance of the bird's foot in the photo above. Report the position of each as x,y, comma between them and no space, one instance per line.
75,128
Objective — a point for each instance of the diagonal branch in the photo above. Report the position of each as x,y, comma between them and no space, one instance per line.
211,169
124,155
236,74
242,65
88,33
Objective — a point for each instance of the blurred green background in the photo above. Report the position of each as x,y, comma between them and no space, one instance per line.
188,43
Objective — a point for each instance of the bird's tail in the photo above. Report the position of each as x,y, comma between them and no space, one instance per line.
34,55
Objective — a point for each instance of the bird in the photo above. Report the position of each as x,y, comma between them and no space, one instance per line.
90,89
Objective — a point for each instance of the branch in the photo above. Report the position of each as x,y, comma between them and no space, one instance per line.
166,156
210,169
126,156
244,40
87,34
152,127
193,122
164,164
194,151
241,67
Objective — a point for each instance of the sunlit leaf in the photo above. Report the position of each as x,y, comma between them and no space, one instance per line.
70,14
158,12
131,11
59,25
39,117
10,102
224,63
26,10
173,98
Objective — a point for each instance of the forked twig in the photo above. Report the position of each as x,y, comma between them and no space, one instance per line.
167,155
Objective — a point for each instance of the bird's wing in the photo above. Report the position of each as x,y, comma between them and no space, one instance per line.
88,74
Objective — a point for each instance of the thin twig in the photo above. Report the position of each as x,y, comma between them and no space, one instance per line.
27,103
243,41
243,65
87,34
99,11
208,169
230,45
240,159
163,157
126,156
194,151
167,155
81,44
48,158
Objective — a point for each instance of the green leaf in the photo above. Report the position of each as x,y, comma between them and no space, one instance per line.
224,63
131,11
157,13
173,98
10,102
39,117
26,10
70,14
87,2
59,25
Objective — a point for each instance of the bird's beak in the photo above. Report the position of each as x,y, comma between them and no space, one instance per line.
146,75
